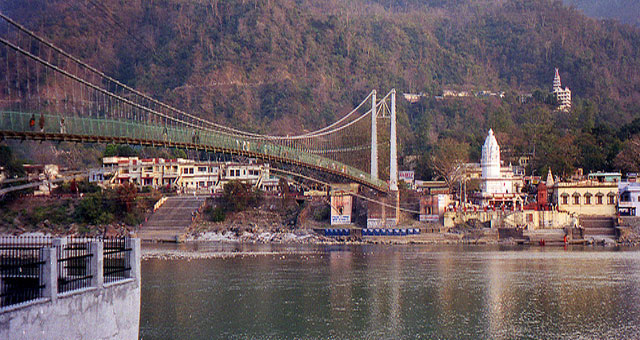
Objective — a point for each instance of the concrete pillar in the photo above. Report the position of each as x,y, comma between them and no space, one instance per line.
374,138
49,277
97,264
61,244
393,166
135,254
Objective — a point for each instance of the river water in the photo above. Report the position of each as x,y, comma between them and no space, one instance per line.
393,292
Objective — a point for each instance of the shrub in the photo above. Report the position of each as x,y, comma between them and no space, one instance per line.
215,214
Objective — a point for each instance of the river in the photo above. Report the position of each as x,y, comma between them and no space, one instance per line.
393,292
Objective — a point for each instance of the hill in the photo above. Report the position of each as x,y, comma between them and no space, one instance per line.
287,66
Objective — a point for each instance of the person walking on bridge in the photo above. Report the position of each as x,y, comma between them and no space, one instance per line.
41,122
32,122
62,128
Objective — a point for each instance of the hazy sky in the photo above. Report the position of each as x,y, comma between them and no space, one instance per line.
626,11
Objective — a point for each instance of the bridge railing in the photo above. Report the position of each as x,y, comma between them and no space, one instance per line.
147,131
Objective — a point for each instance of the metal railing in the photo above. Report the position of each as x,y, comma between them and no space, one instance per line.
148,131
74,264
117,259
21,269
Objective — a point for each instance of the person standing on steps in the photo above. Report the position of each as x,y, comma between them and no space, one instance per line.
32,122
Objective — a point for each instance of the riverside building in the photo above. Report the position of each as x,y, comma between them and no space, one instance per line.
499,186
183,174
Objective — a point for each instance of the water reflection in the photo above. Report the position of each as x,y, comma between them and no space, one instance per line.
371,291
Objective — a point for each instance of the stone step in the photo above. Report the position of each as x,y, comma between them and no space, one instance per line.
599,231
171,219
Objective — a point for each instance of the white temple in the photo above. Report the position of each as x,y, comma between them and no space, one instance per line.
493,180
562,95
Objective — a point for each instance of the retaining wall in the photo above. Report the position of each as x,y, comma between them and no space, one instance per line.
103,311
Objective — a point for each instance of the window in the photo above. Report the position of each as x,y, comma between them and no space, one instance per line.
202,169
565,199
587,199
599,200
611,200
576,200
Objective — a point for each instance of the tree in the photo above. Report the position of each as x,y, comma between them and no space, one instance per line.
119,150
448,159
237,196
127,194
628,160
12,166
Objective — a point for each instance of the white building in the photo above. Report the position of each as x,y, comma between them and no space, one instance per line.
562,95
493,180
184,174
499,185
629,201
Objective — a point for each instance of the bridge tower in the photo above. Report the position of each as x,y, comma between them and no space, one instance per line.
374,137
393,159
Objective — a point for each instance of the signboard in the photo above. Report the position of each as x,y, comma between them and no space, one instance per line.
341,209
406,176
429,218
340,219
378,223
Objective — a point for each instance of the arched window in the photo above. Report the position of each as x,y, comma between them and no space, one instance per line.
587,198
576,198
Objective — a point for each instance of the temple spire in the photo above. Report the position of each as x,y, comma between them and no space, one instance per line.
549,179
557,83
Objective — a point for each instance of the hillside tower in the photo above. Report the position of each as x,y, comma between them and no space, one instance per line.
562,95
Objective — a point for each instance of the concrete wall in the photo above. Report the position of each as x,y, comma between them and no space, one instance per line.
107,313
101,311
508,219
540,219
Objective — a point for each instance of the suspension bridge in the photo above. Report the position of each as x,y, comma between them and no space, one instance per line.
48,94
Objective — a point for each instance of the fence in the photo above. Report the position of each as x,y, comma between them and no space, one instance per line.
74,264
139,130
117,259
38,267
21,266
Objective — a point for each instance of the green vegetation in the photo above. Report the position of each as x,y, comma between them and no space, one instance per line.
215,213
88,207
12,167
238,196
285,66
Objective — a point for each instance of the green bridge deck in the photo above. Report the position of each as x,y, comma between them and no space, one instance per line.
87,129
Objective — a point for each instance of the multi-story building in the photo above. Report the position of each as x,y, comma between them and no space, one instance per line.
184,174
629,204
586,198
562,95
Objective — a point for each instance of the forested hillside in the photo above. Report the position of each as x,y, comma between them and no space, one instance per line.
289,66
